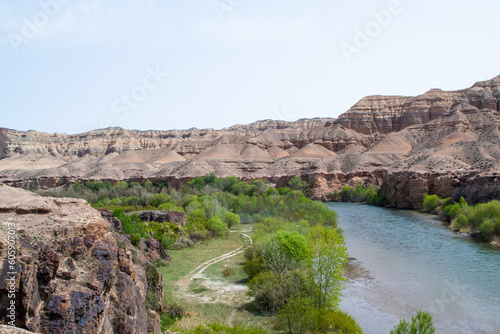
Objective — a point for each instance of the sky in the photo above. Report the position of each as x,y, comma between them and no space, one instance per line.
73,66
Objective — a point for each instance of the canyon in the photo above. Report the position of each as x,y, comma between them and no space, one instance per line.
445,143
73,269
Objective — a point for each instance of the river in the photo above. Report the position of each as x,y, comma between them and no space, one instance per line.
415,262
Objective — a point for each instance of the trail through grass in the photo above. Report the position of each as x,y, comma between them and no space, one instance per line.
195,280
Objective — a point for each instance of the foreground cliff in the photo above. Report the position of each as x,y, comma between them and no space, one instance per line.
72,271
439,142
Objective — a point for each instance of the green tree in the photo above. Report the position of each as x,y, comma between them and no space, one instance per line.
329,256
231,219
285,251
298,184
216,226
296,315
420,324
159,199
431,202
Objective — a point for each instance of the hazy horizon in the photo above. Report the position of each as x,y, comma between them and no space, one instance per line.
72,67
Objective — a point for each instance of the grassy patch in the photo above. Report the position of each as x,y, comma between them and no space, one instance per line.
197,286
187,259
239,276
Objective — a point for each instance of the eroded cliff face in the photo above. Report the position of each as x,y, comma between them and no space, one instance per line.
439,141
74,271
99,143
386,114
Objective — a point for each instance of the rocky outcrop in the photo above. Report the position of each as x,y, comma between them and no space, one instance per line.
161,216
405,189
73,272
421,143
479,189
386,114
4,143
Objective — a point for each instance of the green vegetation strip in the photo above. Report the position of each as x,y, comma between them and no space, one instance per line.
293,269
482,219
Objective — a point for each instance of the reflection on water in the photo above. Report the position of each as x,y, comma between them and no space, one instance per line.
416,262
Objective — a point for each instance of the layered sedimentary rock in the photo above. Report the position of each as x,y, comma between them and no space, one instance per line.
74,272
443,142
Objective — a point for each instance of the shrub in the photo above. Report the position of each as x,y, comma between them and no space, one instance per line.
231,219
451,211
336,321
153,278
167,241
197,236
290,244
161,263
296,315
135,185
170,207
131,224
273,290
431,202
133,201
298,184
224,329
487,228
182,242
136,238
485,211
159,199
120,185
345,193
216,226
335,196
420,324
254,263
460,222
171,313
227,271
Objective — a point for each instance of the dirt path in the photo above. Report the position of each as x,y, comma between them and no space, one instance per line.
223,290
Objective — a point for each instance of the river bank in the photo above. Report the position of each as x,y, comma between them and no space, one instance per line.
415,262
495,239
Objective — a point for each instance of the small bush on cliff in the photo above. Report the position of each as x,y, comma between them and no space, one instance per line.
153,279
345,193
298,184
135,239
172,312
131,224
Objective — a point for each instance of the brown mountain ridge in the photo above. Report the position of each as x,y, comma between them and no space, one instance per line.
438,142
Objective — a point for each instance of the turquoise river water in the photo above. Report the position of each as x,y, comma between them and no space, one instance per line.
415,262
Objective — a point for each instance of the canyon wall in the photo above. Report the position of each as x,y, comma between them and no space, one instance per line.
438,142
73,271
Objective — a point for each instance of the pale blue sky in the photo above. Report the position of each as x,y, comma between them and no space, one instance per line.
69,67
